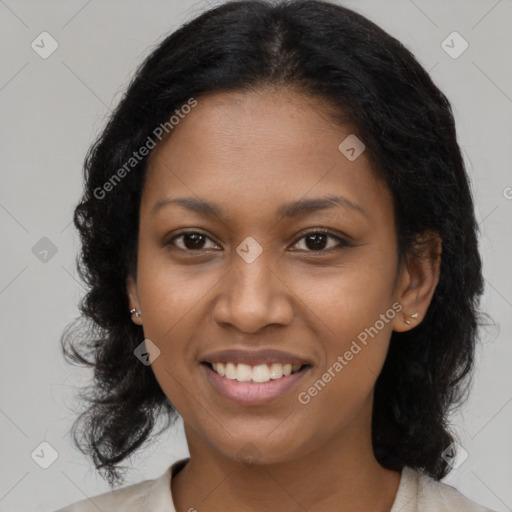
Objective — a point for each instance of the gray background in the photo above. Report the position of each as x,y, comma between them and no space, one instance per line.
52,109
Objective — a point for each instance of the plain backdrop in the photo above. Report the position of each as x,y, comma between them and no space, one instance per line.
52,109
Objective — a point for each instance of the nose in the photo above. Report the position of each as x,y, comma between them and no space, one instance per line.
253,295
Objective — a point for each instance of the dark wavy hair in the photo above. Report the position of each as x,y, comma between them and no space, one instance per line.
372,81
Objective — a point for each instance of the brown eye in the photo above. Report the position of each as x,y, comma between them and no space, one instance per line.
191,241
317,241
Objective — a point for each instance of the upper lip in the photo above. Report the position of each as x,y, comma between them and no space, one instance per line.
253,357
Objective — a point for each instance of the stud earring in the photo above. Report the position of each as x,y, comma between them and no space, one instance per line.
408,322
137,313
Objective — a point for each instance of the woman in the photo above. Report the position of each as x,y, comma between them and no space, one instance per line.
280,244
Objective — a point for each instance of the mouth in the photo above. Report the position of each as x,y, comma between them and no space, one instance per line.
254,373
253,385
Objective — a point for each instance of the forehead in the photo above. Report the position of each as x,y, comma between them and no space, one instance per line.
260,148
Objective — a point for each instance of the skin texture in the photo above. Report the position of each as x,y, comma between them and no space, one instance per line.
250,152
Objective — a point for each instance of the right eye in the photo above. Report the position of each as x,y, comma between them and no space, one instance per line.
192,241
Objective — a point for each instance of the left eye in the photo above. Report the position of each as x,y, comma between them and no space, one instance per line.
315,241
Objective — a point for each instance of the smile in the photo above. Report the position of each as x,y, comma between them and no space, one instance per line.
253,385
254,373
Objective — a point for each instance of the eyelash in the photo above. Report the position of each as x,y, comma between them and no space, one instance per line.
321,231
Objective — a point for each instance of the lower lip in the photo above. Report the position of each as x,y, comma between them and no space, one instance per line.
253,393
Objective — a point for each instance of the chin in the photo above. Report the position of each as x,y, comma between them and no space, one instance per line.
259,451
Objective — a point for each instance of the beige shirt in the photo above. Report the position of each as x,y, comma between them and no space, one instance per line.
417,492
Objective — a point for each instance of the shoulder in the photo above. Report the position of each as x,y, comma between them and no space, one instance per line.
151,495
435,496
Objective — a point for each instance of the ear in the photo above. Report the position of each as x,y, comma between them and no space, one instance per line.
417,281
131,290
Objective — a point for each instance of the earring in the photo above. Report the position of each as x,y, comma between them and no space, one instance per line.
137,313
408,322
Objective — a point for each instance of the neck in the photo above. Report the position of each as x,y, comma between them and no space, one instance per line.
342,475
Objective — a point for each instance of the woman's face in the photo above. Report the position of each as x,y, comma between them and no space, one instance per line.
249,277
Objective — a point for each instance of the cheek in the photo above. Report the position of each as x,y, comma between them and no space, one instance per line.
173,308
349,299
345,382
353,314
334,402
170,294
175,368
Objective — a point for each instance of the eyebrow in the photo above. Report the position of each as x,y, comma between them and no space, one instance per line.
292,209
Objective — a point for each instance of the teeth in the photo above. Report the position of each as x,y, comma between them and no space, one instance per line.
219,368
276,371
242,372
230,372
259,373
